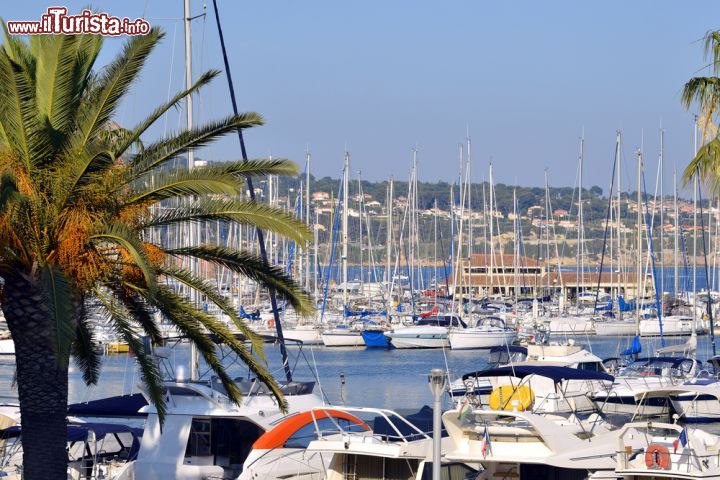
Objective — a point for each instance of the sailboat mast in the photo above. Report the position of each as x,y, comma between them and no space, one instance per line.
579,267
662,215
492,245
638,271
388,245
677,232
194,358
307,219
346,171
618,159
469,196
695,205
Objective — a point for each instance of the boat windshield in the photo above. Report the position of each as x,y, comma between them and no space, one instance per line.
503,356
658,367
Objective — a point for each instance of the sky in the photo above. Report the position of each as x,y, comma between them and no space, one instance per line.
525,79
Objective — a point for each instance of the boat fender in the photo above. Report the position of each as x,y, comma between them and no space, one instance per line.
657,456
271,323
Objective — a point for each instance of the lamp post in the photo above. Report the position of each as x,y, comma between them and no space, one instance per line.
436,381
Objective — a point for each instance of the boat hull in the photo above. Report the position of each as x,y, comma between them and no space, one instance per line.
468,339
376,339
614,329
419,340
343,339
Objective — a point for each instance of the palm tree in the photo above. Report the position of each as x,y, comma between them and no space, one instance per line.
75,207
705,92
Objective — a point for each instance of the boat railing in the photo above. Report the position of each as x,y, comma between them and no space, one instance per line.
661,450
402,429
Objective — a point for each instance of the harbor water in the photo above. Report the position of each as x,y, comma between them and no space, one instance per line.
395,379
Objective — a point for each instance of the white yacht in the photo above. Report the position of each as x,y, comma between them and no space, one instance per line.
645,374
487,333
568,354
205,435
526,446
428,332
653,451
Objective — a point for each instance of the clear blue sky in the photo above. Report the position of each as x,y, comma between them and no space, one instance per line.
383,76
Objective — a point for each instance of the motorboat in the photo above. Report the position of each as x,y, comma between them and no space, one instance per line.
428,332
642,375
393,447
282,451
652,450
541,388
498,356
568,354
487,333
522,445
95,450
205,434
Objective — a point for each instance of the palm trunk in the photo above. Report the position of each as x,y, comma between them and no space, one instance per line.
42,385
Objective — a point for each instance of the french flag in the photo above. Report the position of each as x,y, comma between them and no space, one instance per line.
682,440
485,443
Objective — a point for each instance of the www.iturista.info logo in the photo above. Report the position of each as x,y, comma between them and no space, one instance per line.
57,21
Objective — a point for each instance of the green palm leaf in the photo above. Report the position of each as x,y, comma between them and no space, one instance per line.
167,149
124,325
59,297
213,294
248,213
84,353
138,130
119,234
254,268
115,82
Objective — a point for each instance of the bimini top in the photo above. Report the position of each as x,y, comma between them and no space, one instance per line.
298,430
509,348
557,374
78,432
119,406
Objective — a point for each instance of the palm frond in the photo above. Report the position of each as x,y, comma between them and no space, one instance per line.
200,181
712,50
59,75
703,90
138,310
705,166
167,149
18,113
59,297
18,51
84,353
192,321
204,287
118,234
85,168
8,191
255,214
139,129
253,267
123,324
115,82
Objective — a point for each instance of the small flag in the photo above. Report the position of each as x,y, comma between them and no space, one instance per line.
682,440
485,443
